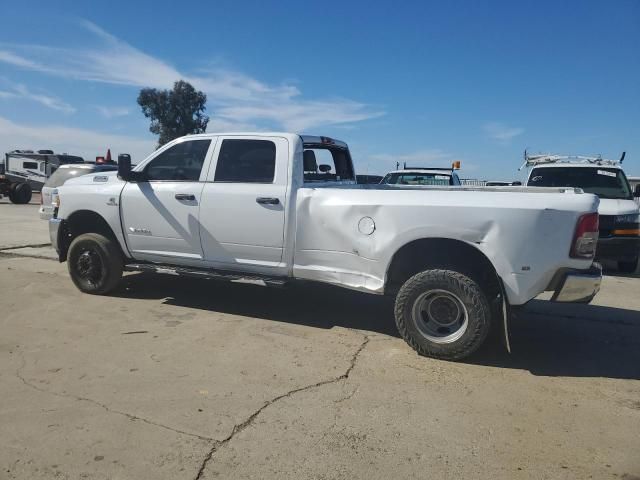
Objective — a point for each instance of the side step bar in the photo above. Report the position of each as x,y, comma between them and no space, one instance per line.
262,280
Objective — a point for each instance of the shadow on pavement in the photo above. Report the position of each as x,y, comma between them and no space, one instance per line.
554,339
547,338
314,305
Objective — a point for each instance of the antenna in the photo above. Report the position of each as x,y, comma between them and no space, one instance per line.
622,157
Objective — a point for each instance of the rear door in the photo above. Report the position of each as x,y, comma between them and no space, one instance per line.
160,214
242,214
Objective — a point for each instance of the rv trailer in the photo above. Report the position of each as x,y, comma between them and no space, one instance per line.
25,171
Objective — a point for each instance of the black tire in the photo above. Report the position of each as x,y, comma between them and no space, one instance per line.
628,267
21,193
95,263
451,290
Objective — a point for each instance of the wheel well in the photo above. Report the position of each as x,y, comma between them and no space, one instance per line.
444,253
84,221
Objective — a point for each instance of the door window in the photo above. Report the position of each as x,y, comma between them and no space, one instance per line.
246,161
181,162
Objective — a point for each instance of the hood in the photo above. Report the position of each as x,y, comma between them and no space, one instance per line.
613,206
97,178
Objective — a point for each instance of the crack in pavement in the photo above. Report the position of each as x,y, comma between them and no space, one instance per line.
251,419
130,416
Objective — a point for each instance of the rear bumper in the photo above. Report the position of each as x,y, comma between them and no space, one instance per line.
578,286
624,249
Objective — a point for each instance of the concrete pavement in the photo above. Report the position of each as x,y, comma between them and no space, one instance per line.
192,379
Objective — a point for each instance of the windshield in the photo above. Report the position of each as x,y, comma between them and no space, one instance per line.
601,181
401,178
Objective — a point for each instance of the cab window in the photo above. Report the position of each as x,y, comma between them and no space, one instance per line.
181,162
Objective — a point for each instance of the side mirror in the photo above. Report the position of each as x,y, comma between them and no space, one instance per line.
124,166
636,191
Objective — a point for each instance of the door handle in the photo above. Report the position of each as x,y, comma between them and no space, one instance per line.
185,196
268,201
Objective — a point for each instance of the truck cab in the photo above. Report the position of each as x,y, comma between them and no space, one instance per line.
619,227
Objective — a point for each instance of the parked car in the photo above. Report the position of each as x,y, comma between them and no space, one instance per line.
498,183
258,208
619,235
61,175
424,176
368,179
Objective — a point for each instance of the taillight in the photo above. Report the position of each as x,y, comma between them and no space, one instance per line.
586,237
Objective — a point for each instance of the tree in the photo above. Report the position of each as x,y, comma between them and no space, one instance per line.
174,113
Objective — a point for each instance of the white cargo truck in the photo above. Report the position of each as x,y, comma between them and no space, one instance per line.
619,235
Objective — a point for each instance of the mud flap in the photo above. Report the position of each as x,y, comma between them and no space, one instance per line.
506,314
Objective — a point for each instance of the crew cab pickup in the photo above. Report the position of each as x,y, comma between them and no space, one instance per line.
272,208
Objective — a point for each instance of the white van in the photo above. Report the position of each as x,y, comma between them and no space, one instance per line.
619,238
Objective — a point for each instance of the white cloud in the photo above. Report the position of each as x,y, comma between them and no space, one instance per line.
234,97
501,132
78,141
20,91
112,112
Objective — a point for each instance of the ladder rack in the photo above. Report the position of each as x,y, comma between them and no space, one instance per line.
545,158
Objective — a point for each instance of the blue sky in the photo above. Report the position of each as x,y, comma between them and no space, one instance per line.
426,82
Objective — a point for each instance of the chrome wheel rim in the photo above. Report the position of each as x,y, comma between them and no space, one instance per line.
440,316
89,267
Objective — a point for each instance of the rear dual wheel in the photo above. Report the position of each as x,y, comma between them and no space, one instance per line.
443,314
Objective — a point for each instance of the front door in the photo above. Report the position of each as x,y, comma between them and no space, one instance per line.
160,214
244,202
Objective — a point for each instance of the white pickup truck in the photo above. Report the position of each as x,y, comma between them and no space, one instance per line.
269,208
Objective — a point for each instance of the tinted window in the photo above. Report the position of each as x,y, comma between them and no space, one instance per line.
246,161
604,182
182,161
33,165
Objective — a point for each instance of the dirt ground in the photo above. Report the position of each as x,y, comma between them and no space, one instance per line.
174,378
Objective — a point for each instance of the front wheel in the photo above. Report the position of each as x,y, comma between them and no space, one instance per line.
628,267
443,314
95,263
